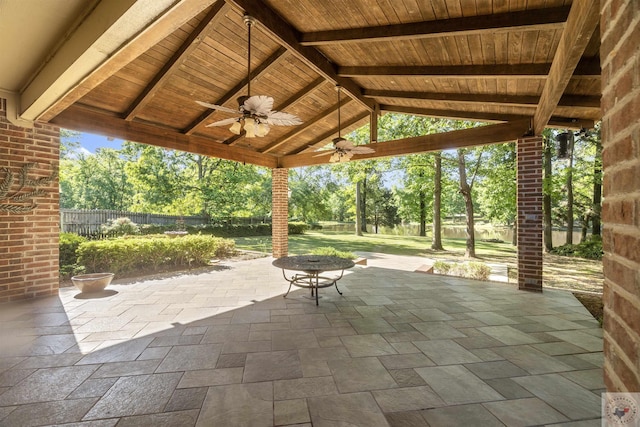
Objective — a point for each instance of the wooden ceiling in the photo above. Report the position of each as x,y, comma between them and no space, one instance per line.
521,65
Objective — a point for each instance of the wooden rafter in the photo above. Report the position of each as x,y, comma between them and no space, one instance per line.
581,23
476,98
586,69
484,135
287,36
237,90
292,100
305,126
192,42
152,34
320,141
560,122
102,123
537,19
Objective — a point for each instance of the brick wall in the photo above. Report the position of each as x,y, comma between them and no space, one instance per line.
29,241
280,212
620,61
529,197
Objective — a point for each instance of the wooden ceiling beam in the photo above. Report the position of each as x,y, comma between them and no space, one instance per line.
320,141
88,120
192,42
586,69
537,19
292,100
286,35
554,122
305,126
477,98
490,134
237,90
582,21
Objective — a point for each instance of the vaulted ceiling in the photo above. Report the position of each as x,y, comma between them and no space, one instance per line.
134,69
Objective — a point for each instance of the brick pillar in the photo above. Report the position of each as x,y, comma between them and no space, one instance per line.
530,214
620,63
280,212
29,240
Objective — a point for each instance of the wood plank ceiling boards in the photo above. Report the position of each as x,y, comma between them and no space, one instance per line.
518,66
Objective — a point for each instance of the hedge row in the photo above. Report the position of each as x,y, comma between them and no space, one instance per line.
127,255
248,230
470,270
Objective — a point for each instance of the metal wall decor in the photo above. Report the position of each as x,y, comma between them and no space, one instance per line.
21,200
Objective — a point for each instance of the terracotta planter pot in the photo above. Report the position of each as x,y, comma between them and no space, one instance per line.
95,282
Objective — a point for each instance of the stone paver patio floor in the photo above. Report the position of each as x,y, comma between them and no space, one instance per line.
224,348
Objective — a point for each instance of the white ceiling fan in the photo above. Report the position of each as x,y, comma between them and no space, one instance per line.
254,113
343,149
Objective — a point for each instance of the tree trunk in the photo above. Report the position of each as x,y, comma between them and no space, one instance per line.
363,206
436,243
465,190
585,227
597,191
546,199
569,240
358,216
514,239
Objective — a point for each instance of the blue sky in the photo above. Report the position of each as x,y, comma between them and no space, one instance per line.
91,142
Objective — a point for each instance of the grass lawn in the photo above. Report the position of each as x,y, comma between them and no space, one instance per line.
560,272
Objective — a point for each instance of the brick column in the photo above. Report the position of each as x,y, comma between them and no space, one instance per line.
530,214
29,240
280,212
620,63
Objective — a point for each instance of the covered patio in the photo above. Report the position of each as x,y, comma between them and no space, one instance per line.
225,348
399,346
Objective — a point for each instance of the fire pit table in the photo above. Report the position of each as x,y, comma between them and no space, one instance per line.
312,266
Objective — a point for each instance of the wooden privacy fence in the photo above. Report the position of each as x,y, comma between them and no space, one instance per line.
87,222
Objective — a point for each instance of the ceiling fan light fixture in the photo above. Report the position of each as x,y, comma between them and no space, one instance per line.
262,129
250,127
236,127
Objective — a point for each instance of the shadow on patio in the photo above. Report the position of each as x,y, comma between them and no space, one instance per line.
224,348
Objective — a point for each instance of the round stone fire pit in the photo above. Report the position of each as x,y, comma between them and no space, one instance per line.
94,282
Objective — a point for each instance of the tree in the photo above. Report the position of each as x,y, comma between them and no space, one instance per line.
465,189
569,187
597,184
546,195
415,197
497,194
436,242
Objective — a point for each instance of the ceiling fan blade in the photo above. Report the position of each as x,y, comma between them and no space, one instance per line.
223,122
259,105
217,107
324,153
359,149
343,144
279,118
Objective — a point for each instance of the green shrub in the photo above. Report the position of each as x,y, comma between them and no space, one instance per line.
68,257
225,230
127,255
69,243
441,267
331,251
477,270
589,249
120,227
469,270
298,227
